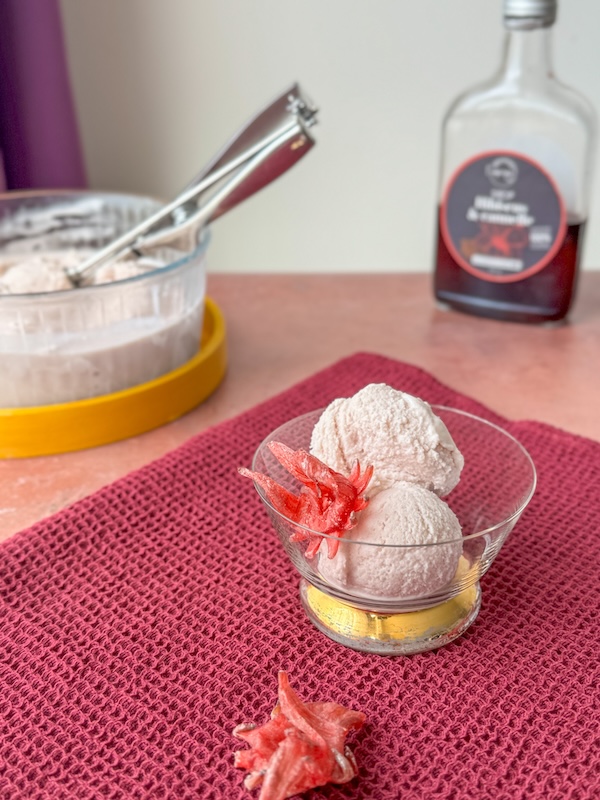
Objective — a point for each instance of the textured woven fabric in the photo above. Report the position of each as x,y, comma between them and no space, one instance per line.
140,625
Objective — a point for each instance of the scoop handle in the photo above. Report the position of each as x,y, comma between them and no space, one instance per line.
292,108
287,112
263,168
251,137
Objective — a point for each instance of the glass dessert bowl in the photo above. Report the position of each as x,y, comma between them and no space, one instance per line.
396,599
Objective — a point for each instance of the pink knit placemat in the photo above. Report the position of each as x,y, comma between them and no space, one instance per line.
140,625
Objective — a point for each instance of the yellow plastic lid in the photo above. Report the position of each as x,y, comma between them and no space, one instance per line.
63,427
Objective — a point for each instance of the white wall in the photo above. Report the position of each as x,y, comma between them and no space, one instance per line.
162,84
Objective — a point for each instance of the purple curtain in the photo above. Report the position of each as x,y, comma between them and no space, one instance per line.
39,141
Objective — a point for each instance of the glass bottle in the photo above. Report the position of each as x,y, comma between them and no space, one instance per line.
514,183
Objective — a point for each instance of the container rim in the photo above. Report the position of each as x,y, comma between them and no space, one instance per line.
85,290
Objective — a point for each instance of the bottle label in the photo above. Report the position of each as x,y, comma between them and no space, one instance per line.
503,218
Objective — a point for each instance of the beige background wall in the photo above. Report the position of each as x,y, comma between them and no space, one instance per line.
162,84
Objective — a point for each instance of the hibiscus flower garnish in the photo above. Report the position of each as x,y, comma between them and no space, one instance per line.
301,747
327,501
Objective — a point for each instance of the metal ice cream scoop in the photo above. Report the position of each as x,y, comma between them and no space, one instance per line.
266,147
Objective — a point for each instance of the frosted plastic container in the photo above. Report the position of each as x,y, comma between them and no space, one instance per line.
58,347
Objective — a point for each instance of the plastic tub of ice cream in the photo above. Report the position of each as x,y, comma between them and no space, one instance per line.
59,344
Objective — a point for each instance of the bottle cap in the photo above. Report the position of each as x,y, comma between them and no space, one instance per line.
543,11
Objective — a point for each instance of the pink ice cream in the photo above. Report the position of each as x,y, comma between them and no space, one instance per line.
407,542
404,514
395,432
28,273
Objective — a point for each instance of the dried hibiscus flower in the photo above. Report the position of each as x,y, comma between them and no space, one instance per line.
327,502
301,747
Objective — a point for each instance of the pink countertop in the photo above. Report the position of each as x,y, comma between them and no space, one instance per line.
283,328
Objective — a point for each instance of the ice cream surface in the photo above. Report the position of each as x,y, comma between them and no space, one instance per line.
370,560
395,432
45,271
38,272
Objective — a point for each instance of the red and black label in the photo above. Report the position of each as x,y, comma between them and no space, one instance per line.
503,218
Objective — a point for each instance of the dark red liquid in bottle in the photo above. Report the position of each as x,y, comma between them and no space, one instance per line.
545,296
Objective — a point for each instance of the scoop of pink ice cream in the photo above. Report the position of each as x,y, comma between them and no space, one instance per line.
407,543
37,272
395,432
